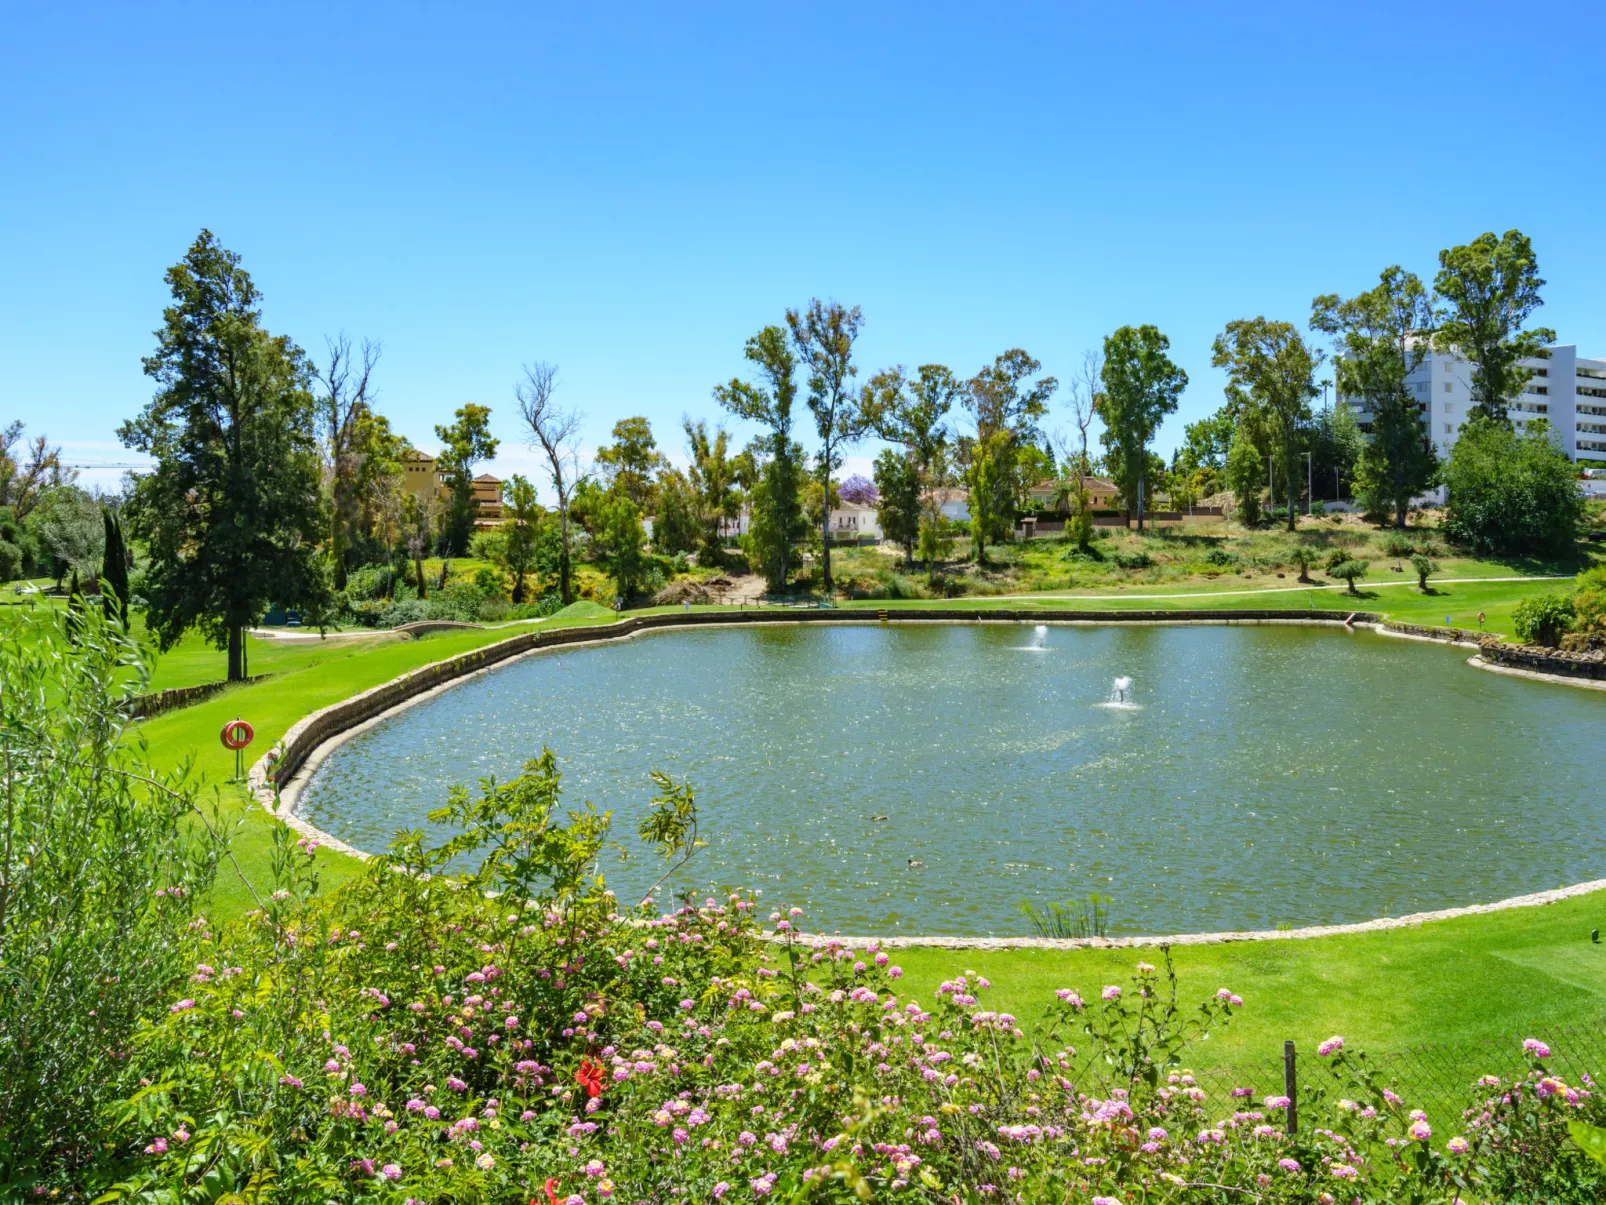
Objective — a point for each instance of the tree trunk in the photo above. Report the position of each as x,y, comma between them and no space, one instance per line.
1142,475
418,568
236,654
1288,485
825,522
564,590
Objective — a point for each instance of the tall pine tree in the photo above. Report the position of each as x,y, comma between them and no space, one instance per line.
232,511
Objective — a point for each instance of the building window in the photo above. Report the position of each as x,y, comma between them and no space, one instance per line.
1449,428
1447,387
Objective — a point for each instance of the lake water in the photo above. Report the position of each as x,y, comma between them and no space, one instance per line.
1258,776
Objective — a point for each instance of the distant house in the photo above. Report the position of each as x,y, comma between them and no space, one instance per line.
953,503
421,478
1103,494
852,521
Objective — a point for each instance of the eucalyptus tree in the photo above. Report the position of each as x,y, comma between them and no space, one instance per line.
713,483
344,405
1270,367
1141,387
554,431
1006,407
913,412
824,335
1490,287
466,441
631,462
233,511
1382,336
776,520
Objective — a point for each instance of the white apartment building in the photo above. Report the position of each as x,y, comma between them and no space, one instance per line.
1566,389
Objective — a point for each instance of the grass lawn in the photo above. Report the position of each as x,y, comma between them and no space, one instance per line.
1456,981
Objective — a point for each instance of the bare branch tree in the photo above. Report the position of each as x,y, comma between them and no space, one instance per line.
348,393
553,431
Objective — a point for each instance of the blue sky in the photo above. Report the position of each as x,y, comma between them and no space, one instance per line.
630,191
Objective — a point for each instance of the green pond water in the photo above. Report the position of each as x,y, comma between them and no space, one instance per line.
1258,775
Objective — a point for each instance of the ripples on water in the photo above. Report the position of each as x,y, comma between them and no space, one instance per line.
1260,776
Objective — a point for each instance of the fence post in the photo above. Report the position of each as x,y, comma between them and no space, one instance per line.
1291,1088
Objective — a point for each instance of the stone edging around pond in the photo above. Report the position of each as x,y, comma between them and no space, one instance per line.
276,779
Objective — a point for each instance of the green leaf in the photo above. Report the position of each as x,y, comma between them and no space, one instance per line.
1591,1138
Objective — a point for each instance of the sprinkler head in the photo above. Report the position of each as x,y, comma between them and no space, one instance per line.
1594,936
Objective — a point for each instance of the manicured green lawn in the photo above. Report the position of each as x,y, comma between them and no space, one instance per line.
1474,978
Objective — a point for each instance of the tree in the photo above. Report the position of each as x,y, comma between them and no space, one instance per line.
232,511
914,412
713,482
347,393
621,537
859,490
1304,556
12,538
466,442
1207,442
675,527
23,482
1336,444
1510,493
114,569
554,432
1084,409
67,523
936,540
520,531
1245,472
417,523
1141,387
991,490
1349,571
824,335
776,512
1269,366
897,484
1424,567
1491,287
1382,337
1006,410
630,463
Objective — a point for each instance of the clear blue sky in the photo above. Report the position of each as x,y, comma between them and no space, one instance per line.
630,191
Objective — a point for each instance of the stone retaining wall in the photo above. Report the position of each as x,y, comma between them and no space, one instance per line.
143,707
1546,661
1449,635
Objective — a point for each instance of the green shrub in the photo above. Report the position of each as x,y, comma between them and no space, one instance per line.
102,863
1398,545
1511,493
1132,560
1542,619
1220,556
1335,558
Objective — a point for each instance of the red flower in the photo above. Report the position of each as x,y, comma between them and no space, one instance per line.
551,1191
589,1077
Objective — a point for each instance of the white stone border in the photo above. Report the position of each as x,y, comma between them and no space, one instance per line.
281,803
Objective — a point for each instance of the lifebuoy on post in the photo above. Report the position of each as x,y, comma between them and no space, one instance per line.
237,734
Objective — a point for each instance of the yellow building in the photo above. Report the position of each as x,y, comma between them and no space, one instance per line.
1102,494
422,480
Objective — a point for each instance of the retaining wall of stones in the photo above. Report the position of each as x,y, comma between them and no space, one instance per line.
1546,661
143,707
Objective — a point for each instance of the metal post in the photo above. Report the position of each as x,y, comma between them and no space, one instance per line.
1291,1088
